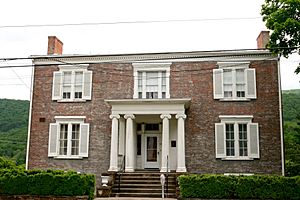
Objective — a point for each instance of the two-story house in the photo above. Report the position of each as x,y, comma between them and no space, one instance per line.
199,112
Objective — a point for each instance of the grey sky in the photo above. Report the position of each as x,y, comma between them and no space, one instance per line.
203,33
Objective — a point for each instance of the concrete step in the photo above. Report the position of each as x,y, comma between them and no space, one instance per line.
142,185
148,195
142,190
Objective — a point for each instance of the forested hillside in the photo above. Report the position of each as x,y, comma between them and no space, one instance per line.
13,129
291,116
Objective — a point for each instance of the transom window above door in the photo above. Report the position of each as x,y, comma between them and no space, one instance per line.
151,80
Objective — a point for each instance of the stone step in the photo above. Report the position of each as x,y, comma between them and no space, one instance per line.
142,190
142,185
148,195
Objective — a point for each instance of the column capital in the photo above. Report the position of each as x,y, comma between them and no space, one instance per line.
168,116
183,116
131,116
114,116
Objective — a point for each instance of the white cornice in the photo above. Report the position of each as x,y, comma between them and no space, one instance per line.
234,55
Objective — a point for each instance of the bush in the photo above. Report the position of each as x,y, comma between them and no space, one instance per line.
45,183
239,187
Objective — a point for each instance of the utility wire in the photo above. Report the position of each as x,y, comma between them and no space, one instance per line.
128,22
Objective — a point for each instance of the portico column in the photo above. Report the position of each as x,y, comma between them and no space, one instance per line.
165,142
114,143
121,136
181,143
129,161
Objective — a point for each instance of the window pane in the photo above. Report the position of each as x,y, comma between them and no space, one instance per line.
240,76
152,83
140,83
67,78
63,139
227,76
151,95
75,139
243,149
230,140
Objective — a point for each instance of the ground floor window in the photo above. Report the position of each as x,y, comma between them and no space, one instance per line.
68,137
237,137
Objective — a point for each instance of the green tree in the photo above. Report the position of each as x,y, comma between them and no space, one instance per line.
283,18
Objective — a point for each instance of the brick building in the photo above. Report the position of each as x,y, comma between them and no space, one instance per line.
198,112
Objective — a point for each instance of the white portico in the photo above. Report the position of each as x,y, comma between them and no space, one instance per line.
150,133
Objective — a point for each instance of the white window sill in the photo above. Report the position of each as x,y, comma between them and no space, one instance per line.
237,158
235,99
71,100
68,157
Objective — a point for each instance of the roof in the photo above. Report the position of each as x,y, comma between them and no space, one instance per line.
234,55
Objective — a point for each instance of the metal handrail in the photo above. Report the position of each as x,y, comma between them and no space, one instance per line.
120,172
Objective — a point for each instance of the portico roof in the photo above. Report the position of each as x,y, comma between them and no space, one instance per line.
148,106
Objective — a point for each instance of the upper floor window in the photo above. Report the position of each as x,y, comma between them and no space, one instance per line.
68,137
72,84
234,81
236,138
151,80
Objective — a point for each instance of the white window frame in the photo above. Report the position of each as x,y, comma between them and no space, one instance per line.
249,76
151,67
58,77
54,137
237,119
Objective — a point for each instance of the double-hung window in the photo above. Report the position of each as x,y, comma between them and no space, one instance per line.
72,83
234,81
151,80
68,137
236,137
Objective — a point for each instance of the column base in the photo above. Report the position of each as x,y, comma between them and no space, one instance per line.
164,169
181,169
127,169
113,169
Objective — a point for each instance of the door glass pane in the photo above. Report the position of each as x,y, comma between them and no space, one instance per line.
151,149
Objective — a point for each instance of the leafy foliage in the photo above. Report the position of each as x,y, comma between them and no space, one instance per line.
283,17
239,187
17,181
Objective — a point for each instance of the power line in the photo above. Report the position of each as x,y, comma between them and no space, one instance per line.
128,22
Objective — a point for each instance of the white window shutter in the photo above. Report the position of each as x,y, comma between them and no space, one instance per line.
57,85
254,140
84,140
220,140
218,83
251,84
53,136
87,85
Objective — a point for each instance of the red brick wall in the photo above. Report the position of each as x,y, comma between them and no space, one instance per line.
195,80
188,80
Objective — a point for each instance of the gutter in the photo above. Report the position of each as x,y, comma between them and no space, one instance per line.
29,118
281,120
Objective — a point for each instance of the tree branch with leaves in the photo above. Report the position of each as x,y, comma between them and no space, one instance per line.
283,18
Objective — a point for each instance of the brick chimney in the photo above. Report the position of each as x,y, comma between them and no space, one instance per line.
263,39
55,46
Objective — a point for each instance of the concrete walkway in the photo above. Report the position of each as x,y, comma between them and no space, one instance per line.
131,198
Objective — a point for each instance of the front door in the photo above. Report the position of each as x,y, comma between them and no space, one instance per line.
152,151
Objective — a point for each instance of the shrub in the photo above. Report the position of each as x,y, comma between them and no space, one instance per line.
44,183
239,187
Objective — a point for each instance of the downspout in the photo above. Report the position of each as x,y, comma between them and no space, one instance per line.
29,117
281,119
